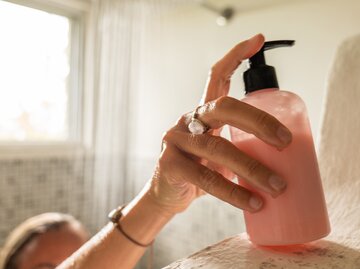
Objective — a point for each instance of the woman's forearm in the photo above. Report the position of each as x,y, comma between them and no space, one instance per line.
142,220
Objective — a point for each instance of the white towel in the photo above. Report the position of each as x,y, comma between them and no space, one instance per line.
339,153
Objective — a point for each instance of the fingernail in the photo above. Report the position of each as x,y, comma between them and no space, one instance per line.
284,135
277,183
252,39
255,202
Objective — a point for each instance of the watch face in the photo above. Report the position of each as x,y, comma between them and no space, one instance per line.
115,214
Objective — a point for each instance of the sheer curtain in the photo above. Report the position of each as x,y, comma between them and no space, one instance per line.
120,62
116,40
113,57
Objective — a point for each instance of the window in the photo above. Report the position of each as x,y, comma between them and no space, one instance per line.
38,92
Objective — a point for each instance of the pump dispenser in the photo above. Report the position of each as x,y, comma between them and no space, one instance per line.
260,75
298,215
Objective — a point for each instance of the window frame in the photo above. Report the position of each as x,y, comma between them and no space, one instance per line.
76,11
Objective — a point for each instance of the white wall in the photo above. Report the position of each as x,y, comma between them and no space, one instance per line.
182,44
179,56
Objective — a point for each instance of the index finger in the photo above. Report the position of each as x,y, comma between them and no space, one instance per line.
219,79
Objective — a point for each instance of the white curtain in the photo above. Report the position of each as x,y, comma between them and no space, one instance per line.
116,39
112,64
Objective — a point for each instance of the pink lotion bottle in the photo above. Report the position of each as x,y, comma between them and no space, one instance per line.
299,215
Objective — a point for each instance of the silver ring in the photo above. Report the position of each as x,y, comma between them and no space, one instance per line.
196,126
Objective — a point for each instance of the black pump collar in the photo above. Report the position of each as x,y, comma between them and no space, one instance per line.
260,75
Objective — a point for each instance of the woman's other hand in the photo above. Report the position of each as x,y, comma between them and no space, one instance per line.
181,174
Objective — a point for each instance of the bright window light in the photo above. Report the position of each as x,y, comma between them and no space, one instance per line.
34,74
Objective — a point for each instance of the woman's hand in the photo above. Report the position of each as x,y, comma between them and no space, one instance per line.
182,175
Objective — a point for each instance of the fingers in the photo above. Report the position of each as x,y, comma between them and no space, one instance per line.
176,166
220,151
228,110
219,78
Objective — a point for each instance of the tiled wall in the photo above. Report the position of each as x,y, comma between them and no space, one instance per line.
33,186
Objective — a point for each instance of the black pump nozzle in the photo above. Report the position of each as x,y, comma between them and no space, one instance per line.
261,76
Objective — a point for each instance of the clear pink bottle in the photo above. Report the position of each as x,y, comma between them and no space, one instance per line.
299,215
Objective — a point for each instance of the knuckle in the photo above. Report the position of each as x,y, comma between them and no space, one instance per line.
167,136
239,197
165,166
208,180
225,102
213,144
183,119
234,194
222,102
253,167
196,141
264,120
165,158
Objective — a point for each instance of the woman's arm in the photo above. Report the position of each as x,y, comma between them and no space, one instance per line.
181,174
142,220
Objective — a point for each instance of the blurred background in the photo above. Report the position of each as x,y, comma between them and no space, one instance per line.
88,87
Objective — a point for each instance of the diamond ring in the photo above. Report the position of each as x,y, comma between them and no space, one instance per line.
196,126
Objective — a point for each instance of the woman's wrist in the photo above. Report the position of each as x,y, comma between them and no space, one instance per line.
143,218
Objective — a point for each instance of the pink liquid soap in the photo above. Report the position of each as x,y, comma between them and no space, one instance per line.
299,215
